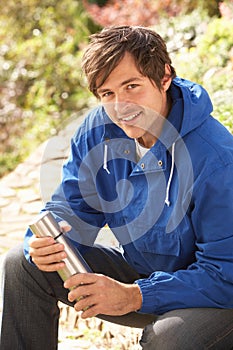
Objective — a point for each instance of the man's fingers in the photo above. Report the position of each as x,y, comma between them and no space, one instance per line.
81,279
51,267
49,259
38,242
46,250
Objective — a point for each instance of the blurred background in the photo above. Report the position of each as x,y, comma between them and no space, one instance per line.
41,43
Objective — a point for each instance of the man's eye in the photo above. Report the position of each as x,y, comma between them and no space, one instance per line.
106,94
132,86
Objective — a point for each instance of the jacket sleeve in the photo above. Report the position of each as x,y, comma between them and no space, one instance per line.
208,282
76,200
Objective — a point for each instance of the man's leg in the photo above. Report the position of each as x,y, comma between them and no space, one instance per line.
190,329
30,312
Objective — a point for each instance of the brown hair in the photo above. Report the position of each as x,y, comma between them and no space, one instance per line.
108,47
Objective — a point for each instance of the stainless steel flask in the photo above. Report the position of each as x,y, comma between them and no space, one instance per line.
46,225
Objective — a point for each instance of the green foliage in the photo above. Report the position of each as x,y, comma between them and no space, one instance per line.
40,74
201,51
98,2
41,42
214,46
210,6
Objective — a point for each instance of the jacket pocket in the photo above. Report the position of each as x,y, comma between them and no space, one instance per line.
157,241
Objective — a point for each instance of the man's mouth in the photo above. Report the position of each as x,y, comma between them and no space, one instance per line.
130,117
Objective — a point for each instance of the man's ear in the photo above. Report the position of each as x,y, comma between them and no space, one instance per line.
166,81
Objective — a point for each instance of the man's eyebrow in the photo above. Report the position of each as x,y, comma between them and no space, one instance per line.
130,80
125,82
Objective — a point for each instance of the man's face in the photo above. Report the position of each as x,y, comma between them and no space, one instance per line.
135,103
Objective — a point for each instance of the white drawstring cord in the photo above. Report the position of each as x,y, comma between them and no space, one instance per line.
105,167
167,201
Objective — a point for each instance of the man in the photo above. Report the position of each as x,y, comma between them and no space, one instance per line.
153,164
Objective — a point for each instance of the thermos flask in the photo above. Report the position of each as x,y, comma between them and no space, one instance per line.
46,225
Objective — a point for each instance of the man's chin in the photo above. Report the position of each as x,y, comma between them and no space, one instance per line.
134,133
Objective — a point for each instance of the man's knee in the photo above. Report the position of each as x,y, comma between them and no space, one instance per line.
166,333
190,329
13,259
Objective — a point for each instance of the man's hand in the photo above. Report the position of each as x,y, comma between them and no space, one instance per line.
98,294
46,253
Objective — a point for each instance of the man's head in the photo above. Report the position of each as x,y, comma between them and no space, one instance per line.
107,48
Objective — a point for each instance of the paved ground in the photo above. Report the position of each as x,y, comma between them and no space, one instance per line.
22,195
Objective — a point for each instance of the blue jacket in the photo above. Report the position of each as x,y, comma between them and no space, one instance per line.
172,211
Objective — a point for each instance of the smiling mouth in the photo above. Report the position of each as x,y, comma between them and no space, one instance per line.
130,117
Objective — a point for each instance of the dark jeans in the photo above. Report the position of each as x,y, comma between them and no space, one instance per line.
30,311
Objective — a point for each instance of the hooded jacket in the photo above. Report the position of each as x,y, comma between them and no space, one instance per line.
171,211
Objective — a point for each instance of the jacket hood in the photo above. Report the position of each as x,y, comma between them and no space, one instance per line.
197,105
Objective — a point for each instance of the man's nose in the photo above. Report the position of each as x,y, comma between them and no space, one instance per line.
120,103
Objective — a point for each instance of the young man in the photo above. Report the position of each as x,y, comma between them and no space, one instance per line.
157,168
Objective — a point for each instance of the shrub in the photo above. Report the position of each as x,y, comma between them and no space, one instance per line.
201,50
147,12
41,81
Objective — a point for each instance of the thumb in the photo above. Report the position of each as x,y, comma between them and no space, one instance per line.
65,227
